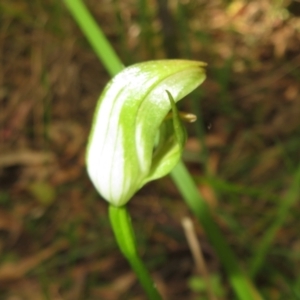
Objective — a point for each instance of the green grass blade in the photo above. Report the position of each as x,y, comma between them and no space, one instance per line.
268,238
127,54
95,36
145,20
239,282
184,34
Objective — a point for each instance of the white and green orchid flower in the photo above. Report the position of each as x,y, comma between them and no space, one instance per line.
132,141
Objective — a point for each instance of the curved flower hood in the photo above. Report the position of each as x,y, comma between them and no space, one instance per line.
123,152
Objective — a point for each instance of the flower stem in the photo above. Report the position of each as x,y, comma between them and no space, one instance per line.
122,227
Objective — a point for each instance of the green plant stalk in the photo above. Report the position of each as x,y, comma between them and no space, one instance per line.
121,224
240,283
268,238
